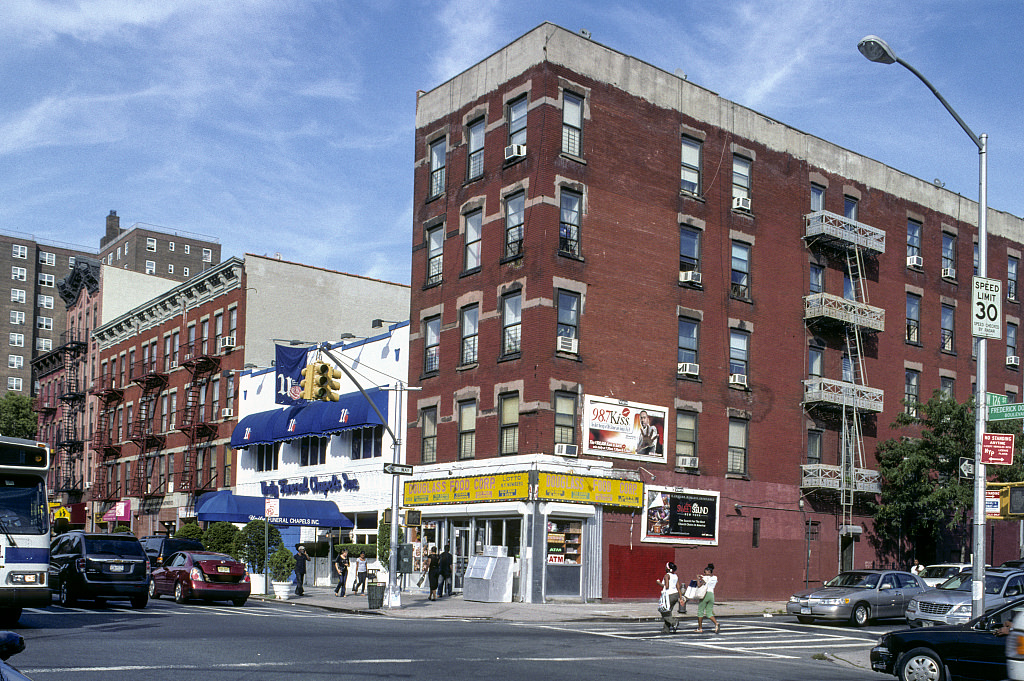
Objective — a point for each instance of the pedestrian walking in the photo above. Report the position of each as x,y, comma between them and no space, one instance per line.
300,568
433,572
445,571
669,598
706,593
360,574
341,567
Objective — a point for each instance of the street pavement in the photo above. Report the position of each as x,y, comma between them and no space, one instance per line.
415,604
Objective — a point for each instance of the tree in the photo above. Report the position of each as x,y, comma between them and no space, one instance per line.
220,537
384,544
190,531
923,496
17,419
249,545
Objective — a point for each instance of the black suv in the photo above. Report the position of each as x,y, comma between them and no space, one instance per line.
99,566
160,546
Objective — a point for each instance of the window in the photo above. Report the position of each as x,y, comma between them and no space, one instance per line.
474,222
740,177
689,249
847,368
44,344
817,284
947,339
511,323
508,408
849,291
470,331
110,258
184,271
14,383
515,209
150,267
517,120
913,319
367,442
45,279
118,252
19,251
432,345
150,244
71,262
1012,267
170,269
910,392
428,441
688,341
15,361
690,175
569,223
948,251
975,259
814,447
1011,339
850,207
476,149
17,317
19,274
435,246
45,302
16,340
313,450
817,198
568,315
467,429
266,457
438,151
572,124
44,323
565,418
18,295
946,386
207,255
740,287
46,258
913,239
738,345
815,361
686,438
170,246
188,248
737,447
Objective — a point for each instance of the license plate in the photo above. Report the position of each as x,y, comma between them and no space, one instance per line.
805,610
117,568
223,568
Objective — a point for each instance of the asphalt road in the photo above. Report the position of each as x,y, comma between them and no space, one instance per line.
166,641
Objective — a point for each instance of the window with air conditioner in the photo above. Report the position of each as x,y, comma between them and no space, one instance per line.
567,332
517,113
689,255
687,354
739,342
741,182
686,439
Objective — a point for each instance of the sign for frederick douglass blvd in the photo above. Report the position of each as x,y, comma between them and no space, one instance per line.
675,515
624,430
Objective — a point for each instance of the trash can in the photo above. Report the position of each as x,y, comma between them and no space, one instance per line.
375,595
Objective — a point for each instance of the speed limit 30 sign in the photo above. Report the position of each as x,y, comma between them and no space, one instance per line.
986,308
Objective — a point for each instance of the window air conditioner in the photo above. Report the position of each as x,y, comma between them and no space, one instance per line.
738,379
570,345
688,369
1012,361
690,277
689,461
170,486
949,273
741,203
915,261
567,450
227,412
514,151
227,342
174,364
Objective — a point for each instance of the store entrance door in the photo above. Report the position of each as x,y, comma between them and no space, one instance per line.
460,551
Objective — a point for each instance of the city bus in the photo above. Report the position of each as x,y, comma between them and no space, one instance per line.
24,527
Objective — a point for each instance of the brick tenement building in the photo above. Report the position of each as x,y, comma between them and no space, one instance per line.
595,238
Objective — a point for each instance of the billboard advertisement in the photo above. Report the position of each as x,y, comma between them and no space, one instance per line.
675,515
624,430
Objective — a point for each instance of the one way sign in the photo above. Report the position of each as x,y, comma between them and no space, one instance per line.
966,467
398,468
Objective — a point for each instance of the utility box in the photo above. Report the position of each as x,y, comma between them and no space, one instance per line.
405,558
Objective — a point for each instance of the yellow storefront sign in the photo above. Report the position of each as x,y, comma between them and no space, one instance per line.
590,490
475,489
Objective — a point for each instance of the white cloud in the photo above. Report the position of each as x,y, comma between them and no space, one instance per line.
468,29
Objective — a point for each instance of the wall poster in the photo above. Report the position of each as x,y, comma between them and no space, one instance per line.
624,430
675,515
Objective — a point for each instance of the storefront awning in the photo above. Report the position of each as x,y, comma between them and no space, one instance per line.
226,506
312,418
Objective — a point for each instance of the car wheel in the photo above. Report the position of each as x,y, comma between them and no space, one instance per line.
65,595
804,619
239,601
152,590
860,615
179,593
139,602
920,664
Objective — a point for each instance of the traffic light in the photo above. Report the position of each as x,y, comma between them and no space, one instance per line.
326,385
1011,500
308,382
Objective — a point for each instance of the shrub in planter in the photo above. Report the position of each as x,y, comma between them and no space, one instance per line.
281,564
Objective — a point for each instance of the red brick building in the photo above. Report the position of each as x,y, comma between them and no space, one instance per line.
592,231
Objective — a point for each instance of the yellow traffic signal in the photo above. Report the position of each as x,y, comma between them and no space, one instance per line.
308,382
1011,500
326,385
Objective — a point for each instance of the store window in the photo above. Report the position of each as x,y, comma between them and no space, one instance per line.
565,541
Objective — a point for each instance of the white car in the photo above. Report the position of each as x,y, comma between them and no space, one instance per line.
934,575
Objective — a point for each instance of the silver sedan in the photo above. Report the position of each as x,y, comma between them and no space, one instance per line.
858,596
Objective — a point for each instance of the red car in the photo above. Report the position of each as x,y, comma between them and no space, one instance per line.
203,575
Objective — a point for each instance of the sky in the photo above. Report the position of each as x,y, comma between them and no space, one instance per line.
287,126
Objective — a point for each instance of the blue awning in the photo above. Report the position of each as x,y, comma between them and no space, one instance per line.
312,418
226,506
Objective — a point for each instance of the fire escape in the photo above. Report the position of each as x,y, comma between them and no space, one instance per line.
145,431
198,426
70,436
849,320
106,446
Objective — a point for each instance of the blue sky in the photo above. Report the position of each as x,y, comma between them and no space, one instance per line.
286,126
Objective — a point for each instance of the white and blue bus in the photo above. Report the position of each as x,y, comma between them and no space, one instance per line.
24,527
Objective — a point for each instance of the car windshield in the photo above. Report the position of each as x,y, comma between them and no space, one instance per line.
962,582
860,580
939,571
114,546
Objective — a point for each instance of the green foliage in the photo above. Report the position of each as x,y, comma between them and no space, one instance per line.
17,419
122,529
190,531
249,545
220,537
282,562
922,494
355,549
384,543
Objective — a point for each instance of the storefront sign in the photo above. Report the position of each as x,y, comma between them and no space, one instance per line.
625,430
121,511
589,490
312,484
681,516
475,489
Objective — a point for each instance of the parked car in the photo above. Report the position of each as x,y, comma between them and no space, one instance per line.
202,575
934,575
160,546
1015,563
99,566
858,596
974,650
951,601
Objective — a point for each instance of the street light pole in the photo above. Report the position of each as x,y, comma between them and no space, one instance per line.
877,50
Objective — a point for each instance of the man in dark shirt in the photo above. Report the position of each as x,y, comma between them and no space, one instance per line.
445,571
300,568
341,567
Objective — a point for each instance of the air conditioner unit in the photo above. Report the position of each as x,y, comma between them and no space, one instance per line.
741,203
1012,361
227,342
689,461
567,450
170,486
688,369
514,151
949,273
227,412
738,379
570,345
915,261
689,277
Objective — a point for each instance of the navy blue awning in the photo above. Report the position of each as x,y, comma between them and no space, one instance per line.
312,418
226,506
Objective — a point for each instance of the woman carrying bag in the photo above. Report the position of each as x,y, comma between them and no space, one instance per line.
706,595
669,598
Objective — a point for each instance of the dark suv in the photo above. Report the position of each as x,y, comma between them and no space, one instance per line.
99,566
159,547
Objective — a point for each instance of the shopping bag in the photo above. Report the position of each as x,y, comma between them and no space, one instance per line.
690,592
664,605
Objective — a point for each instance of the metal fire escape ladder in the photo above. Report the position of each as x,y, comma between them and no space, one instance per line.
145,433
194,422
70,444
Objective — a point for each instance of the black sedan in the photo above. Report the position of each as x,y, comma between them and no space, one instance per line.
972,651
